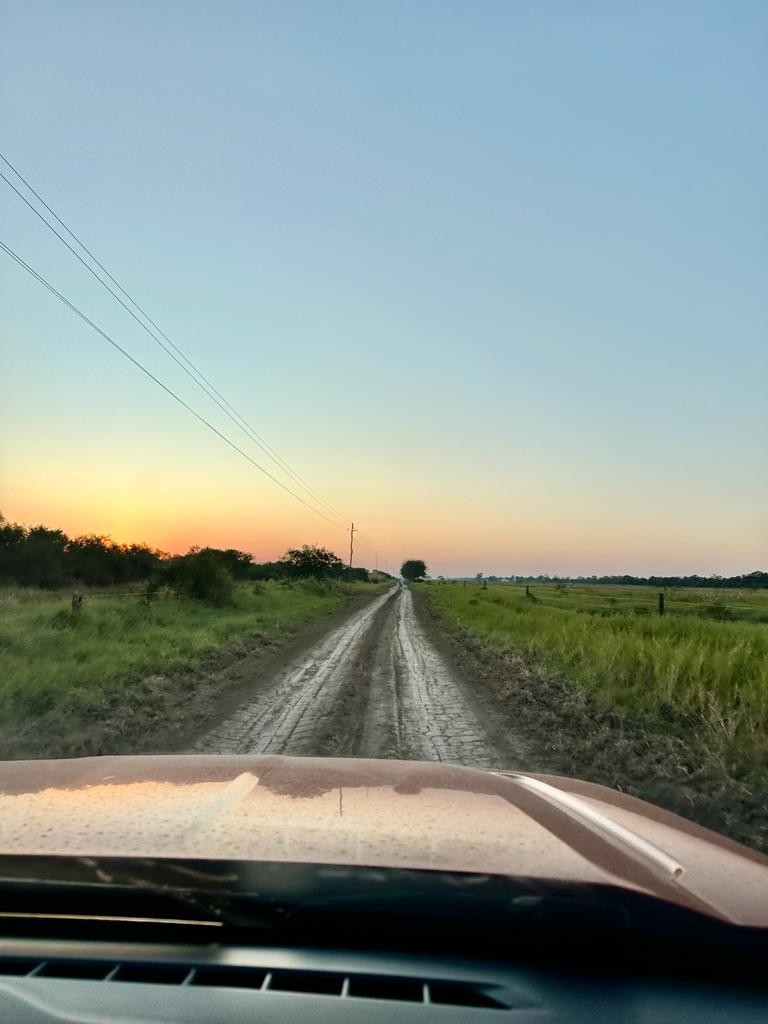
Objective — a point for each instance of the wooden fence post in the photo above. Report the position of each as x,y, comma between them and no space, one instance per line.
661,602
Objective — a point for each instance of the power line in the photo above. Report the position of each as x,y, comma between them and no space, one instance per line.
190,369
368,545
206,388
157,381
199,378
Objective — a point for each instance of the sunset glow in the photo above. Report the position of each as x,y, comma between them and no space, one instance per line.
504,321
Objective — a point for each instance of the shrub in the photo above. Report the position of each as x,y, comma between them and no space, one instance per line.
314,586
201,577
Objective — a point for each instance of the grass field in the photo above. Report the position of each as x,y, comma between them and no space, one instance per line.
52,659
700,671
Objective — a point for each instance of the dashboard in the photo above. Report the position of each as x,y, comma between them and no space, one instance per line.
47,981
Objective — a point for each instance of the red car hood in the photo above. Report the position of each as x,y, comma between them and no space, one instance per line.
397,814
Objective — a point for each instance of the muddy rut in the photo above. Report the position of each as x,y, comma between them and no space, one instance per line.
375,686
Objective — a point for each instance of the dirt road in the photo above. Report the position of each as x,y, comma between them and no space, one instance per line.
376,686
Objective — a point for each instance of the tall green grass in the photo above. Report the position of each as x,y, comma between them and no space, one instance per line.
689,673
50,657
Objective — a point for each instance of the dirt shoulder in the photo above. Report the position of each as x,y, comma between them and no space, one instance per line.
167,713
567,732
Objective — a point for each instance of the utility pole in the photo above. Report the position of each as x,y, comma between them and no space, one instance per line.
351,549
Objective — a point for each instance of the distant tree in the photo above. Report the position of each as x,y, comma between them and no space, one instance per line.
413,569
94,560
238,563
753,579
198,575
13,539
141,561
312,561
44,558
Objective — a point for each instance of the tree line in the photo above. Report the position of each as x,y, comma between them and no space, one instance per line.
751,580
38,556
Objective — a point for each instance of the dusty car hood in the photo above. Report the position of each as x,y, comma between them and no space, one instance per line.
376,813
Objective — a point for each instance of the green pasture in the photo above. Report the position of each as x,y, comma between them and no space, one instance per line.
52,657
700,670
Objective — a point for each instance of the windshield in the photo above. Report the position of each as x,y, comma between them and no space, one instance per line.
386,384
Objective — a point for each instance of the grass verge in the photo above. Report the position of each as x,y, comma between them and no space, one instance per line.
689,675
673,709
56,665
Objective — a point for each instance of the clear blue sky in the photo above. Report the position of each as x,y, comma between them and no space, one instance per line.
490,275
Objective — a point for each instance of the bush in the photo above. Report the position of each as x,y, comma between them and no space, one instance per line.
318,587
201,577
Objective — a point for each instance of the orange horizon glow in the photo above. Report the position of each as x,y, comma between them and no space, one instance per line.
533,548
491,286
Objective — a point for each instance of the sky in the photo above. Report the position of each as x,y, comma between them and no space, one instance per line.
489,276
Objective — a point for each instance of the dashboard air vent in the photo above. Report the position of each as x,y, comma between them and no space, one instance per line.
327,983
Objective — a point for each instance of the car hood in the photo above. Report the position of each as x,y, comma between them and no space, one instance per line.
397,814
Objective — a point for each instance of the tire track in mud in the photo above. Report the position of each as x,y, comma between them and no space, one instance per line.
287,717
376,686
416,707
436,720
